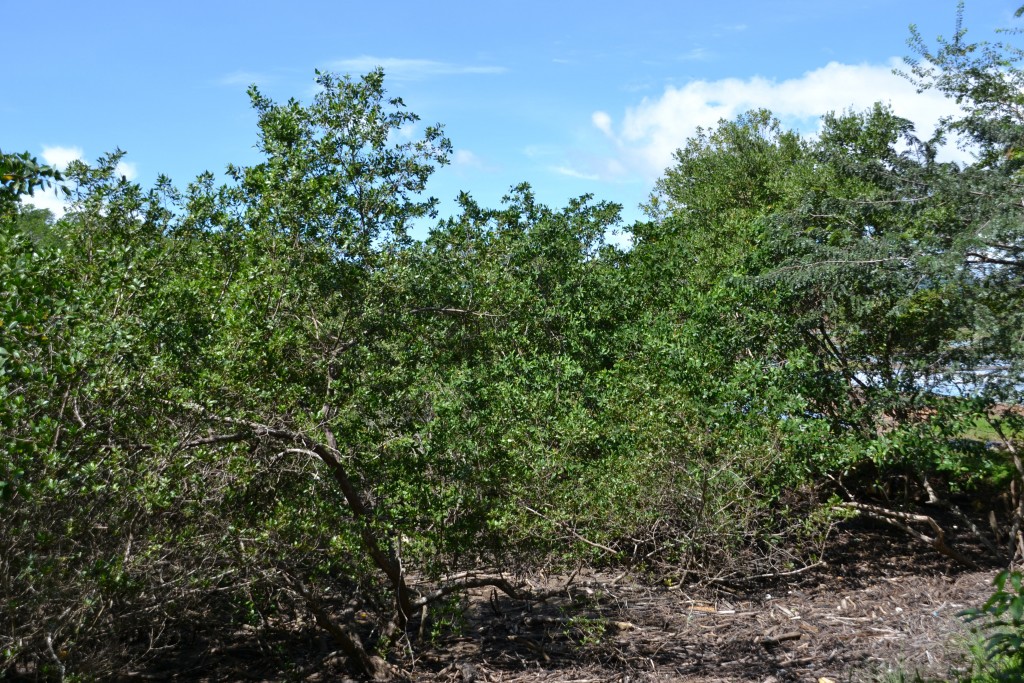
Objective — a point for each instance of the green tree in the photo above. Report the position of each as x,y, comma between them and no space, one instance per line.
272,381
848,284
986,237
211,334
700,402
22,174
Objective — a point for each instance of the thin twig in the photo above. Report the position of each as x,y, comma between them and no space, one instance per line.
456,311
572,531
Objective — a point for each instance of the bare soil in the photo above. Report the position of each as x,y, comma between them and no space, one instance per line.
877,604
876,608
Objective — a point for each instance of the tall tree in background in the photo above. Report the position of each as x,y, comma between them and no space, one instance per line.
987,236
858,281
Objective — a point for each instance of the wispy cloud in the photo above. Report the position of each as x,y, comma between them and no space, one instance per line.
637,86
412,69
403,134
573,173
466,163
465,158
582,163
651,131
244,78
540,151
697,54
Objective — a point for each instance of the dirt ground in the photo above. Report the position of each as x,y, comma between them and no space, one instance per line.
843,621
877,604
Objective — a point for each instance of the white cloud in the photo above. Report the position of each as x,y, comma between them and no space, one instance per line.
60,157
652,130
603,123
128,169
47,199
411,69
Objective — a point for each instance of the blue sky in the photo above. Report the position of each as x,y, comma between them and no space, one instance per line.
572,97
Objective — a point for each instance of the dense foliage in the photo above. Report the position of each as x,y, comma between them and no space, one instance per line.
260,397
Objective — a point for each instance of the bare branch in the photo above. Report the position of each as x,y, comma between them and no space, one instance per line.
220,438
572,531
992,260
902,520
332,457
456,311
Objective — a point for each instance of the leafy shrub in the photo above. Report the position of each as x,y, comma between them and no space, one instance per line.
1002,625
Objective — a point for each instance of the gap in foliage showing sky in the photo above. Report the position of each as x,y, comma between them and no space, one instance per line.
571,97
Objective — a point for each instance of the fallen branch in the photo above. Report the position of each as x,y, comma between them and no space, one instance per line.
792,572
902,520
781,638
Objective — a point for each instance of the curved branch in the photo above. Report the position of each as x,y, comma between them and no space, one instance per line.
902,520
332,457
